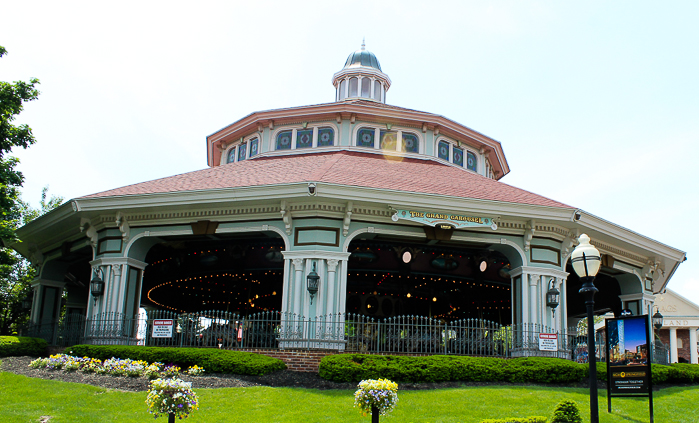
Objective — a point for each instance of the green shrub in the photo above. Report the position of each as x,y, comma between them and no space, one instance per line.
542,370
660,373
566,412
534,419
684,373
213,360
20,345
439,368
436,368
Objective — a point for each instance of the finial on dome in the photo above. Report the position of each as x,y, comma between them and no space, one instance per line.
363,45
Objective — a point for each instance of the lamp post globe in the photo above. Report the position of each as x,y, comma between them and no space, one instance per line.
586,261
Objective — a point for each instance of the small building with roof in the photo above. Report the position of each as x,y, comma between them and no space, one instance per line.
350,207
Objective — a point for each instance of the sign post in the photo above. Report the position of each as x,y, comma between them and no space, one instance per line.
629,359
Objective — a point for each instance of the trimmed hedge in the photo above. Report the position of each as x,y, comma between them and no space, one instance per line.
21,345
534,419
213,360
440,368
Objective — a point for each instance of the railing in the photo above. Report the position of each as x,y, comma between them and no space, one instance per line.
345,331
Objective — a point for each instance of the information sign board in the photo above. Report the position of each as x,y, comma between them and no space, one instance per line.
162,328
629,359
548,342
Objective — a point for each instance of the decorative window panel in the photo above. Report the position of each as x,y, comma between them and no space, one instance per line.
458,156
471,162
377,90
365,137
326,137
254,147
304,138
443,150
410,143
242,149
388,140
231,155
284,140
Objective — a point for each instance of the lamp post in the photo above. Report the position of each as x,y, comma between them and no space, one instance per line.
586,261
657,319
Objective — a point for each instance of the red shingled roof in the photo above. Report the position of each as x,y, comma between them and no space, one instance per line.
342,168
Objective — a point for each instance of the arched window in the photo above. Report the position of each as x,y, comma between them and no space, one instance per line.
388,140
231,155
284,140
377,90
254,147
458,156
410,143
443,150
353,87
471,162
242,149
304,138
366,87
343,87
326,137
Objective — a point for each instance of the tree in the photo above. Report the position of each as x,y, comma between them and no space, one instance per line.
12,99
16,273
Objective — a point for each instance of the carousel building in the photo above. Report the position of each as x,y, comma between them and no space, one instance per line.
353,206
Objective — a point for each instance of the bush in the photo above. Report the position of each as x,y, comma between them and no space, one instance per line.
660,373
534,419
684,373
20,345
213,360
566,412
436,368
542,370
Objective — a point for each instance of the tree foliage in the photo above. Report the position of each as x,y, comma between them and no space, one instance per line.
12,98
16,273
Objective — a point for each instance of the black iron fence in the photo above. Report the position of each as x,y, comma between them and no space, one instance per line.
345,331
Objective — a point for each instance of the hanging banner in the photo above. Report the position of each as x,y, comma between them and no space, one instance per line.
444,219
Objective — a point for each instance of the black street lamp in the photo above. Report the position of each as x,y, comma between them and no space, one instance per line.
586,261
313,279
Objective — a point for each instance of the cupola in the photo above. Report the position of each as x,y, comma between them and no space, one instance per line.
361,78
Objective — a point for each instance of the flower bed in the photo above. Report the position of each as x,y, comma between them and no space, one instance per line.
112,366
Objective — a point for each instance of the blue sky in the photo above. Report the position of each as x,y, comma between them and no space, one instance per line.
595,103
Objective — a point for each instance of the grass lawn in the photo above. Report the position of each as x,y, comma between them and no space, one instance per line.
24,399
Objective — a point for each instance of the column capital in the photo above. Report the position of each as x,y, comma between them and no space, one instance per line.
332,264
298,264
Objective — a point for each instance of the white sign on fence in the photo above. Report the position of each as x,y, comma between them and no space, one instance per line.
163,328
548,342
